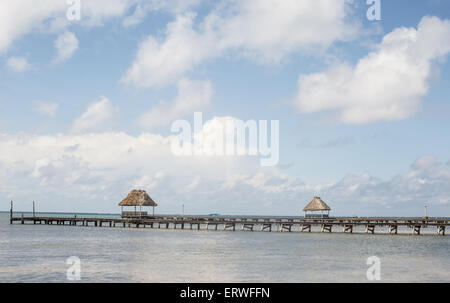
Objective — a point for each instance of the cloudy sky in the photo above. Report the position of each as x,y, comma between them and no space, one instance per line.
86,106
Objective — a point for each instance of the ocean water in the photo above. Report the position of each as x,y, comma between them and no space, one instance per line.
38,253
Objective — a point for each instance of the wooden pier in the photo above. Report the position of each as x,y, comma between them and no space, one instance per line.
291,224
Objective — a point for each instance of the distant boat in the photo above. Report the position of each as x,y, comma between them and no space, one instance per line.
214,215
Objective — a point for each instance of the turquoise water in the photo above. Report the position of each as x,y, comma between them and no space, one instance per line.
38,253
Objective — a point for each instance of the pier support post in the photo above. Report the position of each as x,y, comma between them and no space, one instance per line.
287,227
247,226
393,229
11,214
348,228
305,227
416,230
370,229
267,226
229,225
327,227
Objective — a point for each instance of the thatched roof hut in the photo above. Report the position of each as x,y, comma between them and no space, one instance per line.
317,209
138,198
316,204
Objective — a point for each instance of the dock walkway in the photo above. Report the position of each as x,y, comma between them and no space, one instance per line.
288,224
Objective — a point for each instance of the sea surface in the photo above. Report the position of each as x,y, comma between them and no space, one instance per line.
38,253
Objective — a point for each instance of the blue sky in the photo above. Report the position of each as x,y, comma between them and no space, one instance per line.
363,105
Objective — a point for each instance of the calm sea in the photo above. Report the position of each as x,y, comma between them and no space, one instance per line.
38,253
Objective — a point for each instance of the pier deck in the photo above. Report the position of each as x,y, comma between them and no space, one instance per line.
290,224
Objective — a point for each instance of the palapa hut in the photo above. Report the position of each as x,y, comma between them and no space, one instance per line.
317,209
137,198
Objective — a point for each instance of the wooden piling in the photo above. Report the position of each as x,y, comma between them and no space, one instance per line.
327,227
348,228
287,227
305,227
370,228
229,225
393,229
266,226
11,214
247,226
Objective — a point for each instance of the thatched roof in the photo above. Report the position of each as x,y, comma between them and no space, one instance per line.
316,204
138,198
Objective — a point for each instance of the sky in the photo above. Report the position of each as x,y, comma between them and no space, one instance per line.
89,91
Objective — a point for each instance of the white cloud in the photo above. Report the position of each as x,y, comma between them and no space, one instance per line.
46,108
426,182
158,64
66,44
192,96
264,30
21,17
93,171
18,64
270,29
144,7
95,117
387,84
